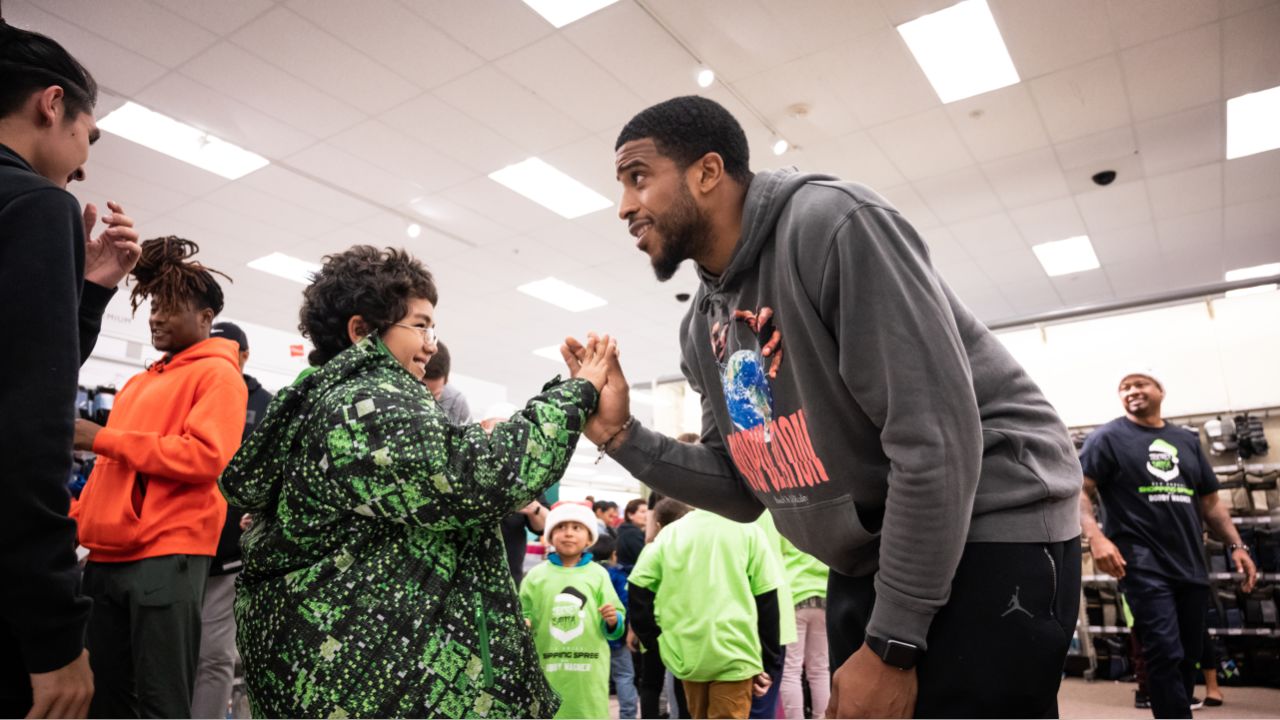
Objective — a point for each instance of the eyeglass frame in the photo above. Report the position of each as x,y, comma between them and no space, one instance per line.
429,334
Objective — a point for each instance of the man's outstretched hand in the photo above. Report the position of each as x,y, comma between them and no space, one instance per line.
615,397
865,687
111,255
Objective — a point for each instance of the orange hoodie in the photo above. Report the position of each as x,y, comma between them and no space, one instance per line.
172,430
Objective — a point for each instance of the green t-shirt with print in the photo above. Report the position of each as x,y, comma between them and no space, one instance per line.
562,605
806,575
705,571
787,633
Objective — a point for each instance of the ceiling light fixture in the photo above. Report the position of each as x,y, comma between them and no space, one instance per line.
179,140
287,267
563,12
1253,123
550,352
562,295
780,146
706,76
1253,271
550,188
1063,257
960,50
414,230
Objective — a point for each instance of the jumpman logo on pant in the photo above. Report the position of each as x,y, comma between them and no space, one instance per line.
1015,604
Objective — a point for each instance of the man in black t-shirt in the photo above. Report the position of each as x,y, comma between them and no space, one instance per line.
1157,487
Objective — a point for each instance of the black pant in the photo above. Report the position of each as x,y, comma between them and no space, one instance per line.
15,681
652,674
997,648
144,635
766,706
1168,617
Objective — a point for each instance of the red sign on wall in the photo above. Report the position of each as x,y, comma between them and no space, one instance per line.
295,351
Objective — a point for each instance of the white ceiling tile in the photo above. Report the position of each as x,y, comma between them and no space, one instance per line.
401,156
257,83
491,28
901,11
150,30
475,227
895,89
431,245
1049,221
1083,288
1045,36
1186,192
318,196
1082,100
512,110
1257,250
1231,8
1252,177
222,17
1250,53
590,162
1000,123
1247,221
239,198
113,66
944,249
959,195
289,41
1098,150
180,97
1118,205
908,204
564,76
536,259
452,132
966,279
1183,140
737,44
667,69
344,170
922,145
395,36
865,162
1146,275
487,197
804,81
1199,266
989,307
1124,244
335,240
1026,179
823,23
1137,21
991,236
104,183
1031,294
1189,233
1174,73
1011,267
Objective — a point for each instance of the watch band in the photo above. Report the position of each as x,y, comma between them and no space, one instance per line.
899,654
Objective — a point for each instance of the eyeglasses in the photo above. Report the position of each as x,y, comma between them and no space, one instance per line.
428,333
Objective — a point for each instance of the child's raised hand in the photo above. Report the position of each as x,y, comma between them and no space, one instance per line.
594,361
610,615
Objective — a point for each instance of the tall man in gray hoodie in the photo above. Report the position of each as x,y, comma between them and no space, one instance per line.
847,390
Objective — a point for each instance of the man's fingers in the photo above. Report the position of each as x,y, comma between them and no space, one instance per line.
90,218
40,706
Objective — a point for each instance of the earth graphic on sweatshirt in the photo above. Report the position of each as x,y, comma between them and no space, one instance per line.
746,390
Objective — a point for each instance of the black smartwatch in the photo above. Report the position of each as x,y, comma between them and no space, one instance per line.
902,655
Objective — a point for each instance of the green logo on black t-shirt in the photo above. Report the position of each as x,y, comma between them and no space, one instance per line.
1162,460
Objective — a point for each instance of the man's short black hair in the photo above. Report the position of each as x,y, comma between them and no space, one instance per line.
686,128
438,365
604,506
30,62
375,284
604,548
669,510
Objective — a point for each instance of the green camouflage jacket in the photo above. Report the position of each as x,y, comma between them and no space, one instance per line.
375,582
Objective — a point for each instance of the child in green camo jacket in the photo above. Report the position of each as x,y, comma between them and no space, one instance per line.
374,580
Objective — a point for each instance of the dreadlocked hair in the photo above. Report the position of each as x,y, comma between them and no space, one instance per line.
164,275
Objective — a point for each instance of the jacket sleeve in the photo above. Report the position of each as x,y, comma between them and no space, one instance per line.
768,626
640,613
609,596
40,602
702,475
903,360
93,304
397,462
210,436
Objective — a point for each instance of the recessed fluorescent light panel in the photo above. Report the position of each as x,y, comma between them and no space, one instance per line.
960,50
562,294
1253,123
179,140
287,267
550,188
563,12
1064,257
1253,271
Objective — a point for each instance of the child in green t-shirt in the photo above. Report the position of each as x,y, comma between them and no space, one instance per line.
561,600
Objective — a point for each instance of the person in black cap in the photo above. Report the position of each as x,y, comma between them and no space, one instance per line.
218,634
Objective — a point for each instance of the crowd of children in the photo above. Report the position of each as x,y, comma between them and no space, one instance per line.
731,611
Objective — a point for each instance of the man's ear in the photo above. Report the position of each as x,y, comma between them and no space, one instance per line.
50,105
709,172
357,329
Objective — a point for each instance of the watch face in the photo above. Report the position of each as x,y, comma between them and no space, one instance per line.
900,655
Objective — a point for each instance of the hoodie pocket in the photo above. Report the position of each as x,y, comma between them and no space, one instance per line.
106,518
833,532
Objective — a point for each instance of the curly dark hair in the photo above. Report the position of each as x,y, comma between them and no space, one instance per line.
439,364
686,128
30,62
363,280
164,275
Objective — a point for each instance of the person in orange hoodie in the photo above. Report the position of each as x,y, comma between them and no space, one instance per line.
151,512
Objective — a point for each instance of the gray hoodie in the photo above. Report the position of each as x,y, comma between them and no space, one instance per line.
897,427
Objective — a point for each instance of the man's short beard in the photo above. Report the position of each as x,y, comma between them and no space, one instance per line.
685,233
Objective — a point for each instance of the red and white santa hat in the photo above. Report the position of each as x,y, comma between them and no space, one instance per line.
579,512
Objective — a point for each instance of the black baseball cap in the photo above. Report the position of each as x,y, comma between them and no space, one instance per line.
230,331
